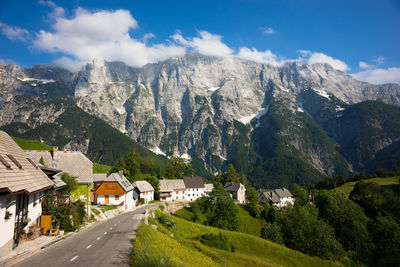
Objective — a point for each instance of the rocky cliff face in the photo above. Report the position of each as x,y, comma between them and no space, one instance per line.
207,107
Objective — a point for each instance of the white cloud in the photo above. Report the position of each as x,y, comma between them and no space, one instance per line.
69,64
57,10
258,56
364,65
267,30
101,34
14,33
318,57
148,36
207,43
379,76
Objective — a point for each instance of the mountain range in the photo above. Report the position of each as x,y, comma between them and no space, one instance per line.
279,125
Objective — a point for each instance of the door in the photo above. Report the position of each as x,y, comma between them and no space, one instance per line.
106,199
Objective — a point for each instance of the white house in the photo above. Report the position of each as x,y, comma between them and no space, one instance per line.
208,188
113,189
276,197
172,190
22,186
237,191
194,188
145,190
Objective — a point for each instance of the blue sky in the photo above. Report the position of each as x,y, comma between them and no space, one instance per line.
359,37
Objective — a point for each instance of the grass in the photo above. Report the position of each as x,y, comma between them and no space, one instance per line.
100,168
96,211
247,223
31,145
180,246
105,208
153,201
348,187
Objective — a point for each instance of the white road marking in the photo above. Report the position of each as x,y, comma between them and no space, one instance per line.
99,238
115,224
110,228
74,258
89,246
105,233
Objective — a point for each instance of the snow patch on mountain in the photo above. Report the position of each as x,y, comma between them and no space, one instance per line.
157,151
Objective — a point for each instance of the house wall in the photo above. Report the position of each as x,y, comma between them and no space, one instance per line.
176,195
147,196
191,194
34,210
286,201
241,195
7,226
129,201
101,199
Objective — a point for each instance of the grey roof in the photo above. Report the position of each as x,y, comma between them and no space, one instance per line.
72,162
26,176
58,181
143,186
232,187
114,177
193,182
275,195
208,187
171,185
283,192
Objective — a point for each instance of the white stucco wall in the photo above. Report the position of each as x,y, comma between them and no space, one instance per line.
7,226
34,210
191,194
147,196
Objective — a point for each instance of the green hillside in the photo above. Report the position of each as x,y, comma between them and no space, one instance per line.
382,181
31,144
180,246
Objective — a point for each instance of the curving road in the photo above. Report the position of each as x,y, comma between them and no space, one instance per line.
107,243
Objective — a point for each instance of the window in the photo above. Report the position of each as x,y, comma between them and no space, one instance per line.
116,197
5,163
14,160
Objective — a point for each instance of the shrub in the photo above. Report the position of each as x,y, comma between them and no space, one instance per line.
271,231
161,207
95,211
166,220
217,241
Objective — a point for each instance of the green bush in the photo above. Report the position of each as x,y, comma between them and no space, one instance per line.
161,207
217,241
271,231
166,220
96,211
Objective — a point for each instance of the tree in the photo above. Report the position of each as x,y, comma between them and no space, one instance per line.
253,206
177,168
272,232
386,235
222,213
348,221
301,230
301,195
41,161
70,181
231,175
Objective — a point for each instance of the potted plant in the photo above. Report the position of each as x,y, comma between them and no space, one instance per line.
7,215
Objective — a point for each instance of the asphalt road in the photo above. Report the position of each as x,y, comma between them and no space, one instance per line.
107,243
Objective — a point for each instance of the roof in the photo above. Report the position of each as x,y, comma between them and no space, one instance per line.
208,187
193,182
143,186
73,162
21,175
99,177
232,187
171,185
115,177
275,195
58,181
283,192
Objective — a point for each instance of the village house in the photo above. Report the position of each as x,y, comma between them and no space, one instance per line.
237,191
194,187
208,188
276,197
172,190
113,189
22,187
145,190
73,162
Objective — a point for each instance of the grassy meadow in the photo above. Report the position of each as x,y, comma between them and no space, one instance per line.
382,181
31,145
180,246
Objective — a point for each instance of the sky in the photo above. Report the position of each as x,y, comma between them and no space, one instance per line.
359,37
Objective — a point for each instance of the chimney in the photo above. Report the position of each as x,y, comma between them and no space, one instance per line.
121,173
55,154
